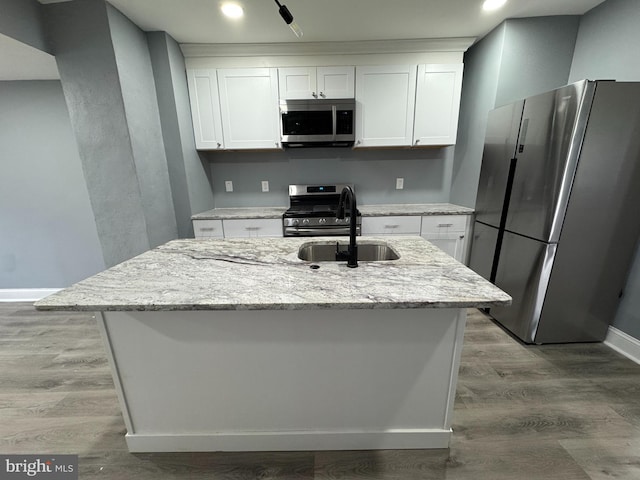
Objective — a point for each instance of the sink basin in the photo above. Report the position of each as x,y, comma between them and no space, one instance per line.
326,251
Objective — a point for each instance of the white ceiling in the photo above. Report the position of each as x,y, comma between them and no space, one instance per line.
200,21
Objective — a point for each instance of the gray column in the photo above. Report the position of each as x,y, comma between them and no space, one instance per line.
106,77
187,173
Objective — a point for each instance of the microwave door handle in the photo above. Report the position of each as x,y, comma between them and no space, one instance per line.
334,118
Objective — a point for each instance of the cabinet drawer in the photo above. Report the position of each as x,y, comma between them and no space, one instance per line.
391,225
207,229
444,223
253,227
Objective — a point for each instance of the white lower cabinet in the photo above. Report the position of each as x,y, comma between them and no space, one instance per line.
449,233
208,229
238,228
391,225
253,227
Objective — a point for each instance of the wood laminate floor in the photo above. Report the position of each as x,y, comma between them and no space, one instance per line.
567,412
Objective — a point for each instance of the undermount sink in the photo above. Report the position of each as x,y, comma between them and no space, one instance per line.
326,251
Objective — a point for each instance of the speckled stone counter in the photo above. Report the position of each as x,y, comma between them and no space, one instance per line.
366,210
238,345
240,213
265,274
414,209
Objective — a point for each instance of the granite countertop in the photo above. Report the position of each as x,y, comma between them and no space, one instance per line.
414,209
240,213
366,210
265,274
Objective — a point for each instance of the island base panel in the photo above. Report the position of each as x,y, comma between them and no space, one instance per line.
285,380
290,441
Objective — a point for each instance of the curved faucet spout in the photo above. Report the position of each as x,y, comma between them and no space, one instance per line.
352,253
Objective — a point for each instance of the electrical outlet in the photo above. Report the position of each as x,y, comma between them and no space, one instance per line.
399,183
228,186
265,185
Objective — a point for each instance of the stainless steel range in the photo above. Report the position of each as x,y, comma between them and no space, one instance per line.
313,212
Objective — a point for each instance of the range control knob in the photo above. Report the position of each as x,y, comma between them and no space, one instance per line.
295,221
305,221
322,221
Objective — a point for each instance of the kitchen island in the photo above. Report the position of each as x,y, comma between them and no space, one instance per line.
239,345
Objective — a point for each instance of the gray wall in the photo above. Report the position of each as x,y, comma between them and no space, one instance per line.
88,71
532,55
117,126
188,175
607,47
536,56
107,79
138,89
479,87
426,173
48,234
22,21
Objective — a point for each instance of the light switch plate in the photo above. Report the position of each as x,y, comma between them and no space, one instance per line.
228,186
399,183
265,185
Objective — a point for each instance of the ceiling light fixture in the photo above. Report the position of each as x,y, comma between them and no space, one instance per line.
232,10
490,5
288,18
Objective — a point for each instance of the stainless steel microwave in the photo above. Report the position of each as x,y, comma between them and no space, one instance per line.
317,123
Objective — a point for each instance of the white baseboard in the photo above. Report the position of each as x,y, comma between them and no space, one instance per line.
290,441
25,294
624,344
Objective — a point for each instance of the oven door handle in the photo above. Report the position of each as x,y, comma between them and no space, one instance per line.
297,231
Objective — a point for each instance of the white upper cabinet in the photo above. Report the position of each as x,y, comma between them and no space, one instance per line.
396,105
205,109
249,108
316,82
385,102
336,82
437,104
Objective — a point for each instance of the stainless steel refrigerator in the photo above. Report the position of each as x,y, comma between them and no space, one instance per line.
557,219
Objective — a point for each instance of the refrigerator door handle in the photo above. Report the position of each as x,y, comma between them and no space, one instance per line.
523,135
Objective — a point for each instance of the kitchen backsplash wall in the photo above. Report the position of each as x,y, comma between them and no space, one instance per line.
426,174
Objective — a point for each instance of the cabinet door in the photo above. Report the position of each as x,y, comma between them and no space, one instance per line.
437,104
451,245
207,229
249,106
448,232
391,225
297,83
253,227
205,109
385,101
336,82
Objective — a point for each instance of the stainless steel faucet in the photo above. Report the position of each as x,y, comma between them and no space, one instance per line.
351,255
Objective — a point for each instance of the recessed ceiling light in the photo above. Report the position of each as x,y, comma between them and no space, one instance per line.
232,10
489,5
